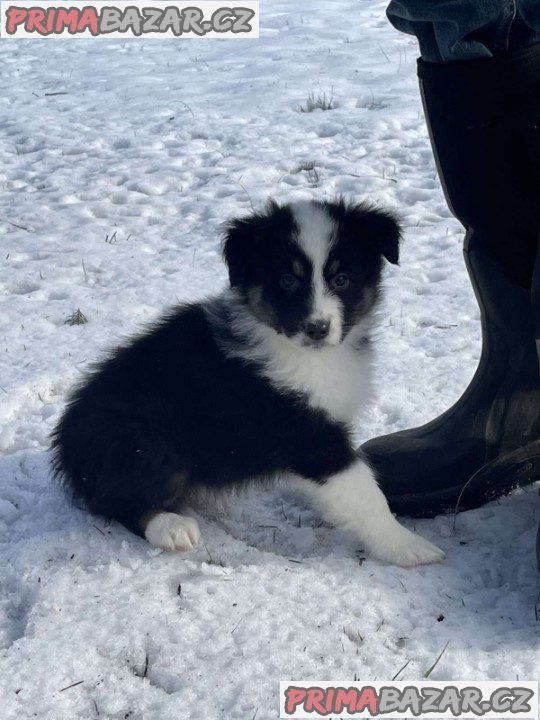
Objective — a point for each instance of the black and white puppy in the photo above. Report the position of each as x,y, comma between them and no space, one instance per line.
259,383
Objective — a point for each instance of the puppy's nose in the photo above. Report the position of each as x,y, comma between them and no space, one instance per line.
317,329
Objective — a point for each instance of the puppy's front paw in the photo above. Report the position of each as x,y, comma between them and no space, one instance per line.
170,531
403,547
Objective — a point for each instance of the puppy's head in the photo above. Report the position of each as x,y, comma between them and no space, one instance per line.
311,270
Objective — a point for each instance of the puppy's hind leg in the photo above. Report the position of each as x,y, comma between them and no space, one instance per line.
170,531
352,500
166,528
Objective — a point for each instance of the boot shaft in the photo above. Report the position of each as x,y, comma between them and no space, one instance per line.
483,118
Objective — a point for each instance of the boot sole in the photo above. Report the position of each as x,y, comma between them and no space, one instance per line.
495,479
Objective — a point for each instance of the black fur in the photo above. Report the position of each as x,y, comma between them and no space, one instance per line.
172,405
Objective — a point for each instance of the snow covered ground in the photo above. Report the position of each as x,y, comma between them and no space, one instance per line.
118,162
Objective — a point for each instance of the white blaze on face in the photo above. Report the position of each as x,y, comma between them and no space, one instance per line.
316,235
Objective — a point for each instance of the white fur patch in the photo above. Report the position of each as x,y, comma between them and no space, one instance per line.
316,236
352,500
170,531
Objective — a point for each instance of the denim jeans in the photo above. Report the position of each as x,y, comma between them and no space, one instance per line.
449,30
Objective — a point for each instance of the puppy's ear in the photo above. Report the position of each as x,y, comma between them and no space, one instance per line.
385,232
245,237
237,250
368,224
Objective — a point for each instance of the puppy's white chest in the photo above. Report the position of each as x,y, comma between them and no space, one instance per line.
334,379
339,384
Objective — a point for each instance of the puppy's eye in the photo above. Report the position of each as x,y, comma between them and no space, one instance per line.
340,281
289,282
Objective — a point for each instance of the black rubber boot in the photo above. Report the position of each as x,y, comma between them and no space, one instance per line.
484,117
